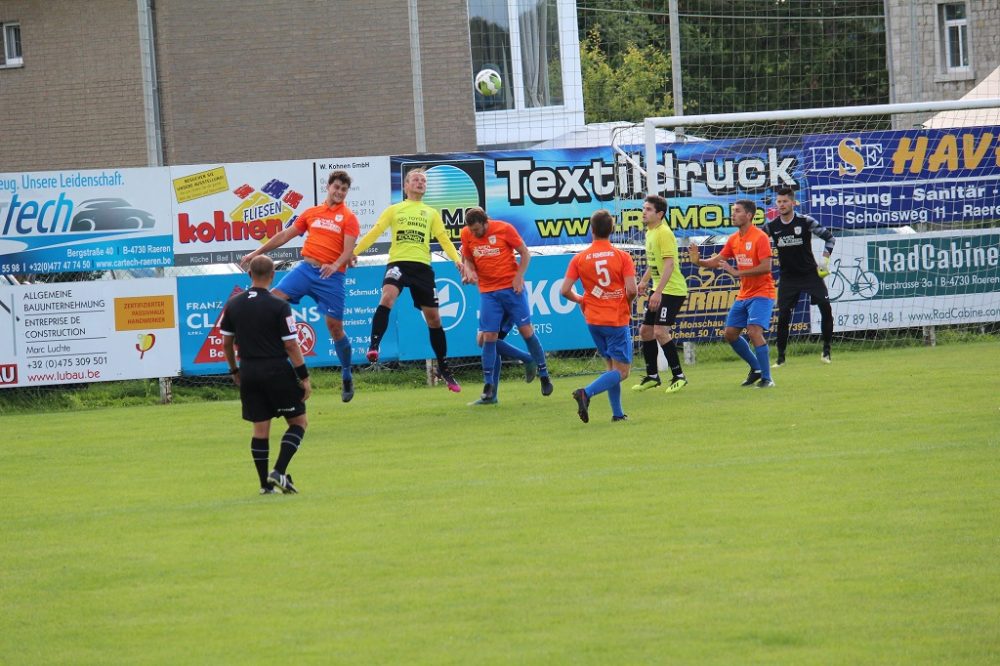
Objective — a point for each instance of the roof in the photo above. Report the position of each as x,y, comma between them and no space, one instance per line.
988,88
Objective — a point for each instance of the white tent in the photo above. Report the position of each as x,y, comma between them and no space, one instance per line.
605,134
988,88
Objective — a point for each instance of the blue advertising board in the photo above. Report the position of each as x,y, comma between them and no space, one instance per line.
75,221
201,299
558,322
875,179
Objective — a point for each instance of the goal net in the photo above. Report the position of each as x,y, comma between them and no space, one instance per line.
910,192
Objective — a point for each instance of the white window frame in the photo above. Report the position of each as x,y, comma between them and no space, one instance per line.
11,60
949,71
530,125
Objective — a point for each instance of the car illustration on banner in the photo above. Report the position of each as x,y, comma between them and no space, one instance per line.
110,215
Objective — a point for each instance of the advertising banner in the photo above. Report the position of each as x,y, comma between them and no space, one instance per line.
370,192
879,179
906,280
215,213
558,321
67,333
548,195
224,211
221,212
202,298
68,221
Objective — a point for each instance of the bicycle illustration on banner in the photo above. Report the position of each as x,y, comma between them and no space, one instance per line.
855,282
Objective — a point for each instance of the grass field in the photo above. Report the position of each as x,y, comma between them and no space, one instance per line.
850,516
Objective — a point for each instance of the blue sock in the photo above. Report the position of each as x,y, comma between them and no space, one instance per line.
764,360
742,347
489,360
615,398
537,354
343,349
508,350
604,383
496,375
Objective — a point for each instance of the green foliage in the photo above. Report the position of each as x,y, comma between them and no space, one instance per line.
766,56
844,517
736,55
629,85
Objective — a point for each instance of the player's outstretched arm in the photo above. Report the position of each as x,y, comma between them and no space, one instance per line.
277,240
715,261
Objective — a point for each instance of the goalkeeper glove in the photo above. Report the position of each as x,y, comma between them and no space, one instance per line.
824,268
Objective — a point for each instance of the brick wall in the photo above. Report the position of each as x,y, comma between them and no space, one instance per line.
77,101
308,79
238,81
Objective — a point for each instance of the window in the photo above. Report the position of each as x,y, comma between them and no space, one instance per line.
11,37
954,36
534,46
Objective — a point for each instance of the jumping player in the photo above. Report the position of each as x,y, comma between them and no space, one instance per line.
332,230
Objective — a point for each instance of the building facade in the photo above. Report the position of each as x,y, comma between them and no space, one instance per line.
941,49
127,83
123,83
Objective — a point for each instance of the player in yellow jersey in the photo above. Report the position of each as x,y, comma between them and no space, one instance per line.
413,224
663,267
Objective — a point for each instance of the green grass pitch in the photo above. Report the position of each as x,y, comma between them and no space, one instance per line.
849,516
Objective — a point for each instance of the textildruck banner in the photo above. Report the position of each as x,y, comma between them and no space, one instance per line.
207,214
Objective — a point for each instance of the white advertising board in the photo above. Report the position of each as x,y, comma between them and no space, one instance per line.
67,333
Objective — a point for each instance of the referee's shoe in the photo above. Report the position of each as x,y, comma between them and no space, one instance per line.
282,482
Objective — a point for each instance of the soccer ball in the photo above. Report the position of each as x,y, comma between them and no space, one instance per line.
488,82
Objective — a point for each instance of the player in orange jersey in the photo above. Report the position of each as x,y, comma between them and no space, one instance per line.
609,287
488,249
751,248
332,231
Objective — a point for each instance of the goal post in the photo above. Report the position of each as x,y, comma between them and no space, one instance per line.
910,191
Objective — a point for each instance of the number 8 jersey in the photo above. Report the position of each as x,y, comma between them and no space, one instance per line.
602,268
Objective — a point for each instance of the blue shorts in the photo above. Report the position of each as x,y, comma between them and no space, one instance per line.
304,280
502,306
614,342
751,311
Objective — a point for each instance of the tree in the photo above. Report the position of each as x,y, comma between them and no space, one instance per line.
736,55
630,85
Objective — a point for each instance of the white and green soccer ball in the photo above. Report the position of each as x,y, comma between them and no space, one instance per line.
488,82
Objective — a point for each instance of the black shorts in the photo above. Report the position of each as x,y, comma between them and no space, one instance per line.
666,314
790,287
268,389
415,275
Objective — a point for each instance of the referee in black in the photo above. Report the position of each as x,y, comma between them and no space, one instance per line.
792,234
272,374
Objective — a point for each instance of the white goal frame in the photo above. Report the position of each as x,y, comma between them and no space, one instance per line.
678,123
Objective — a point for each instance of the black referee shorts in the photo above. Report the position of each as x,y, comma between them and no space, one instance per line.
268,389
666,314
415,275
791,287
